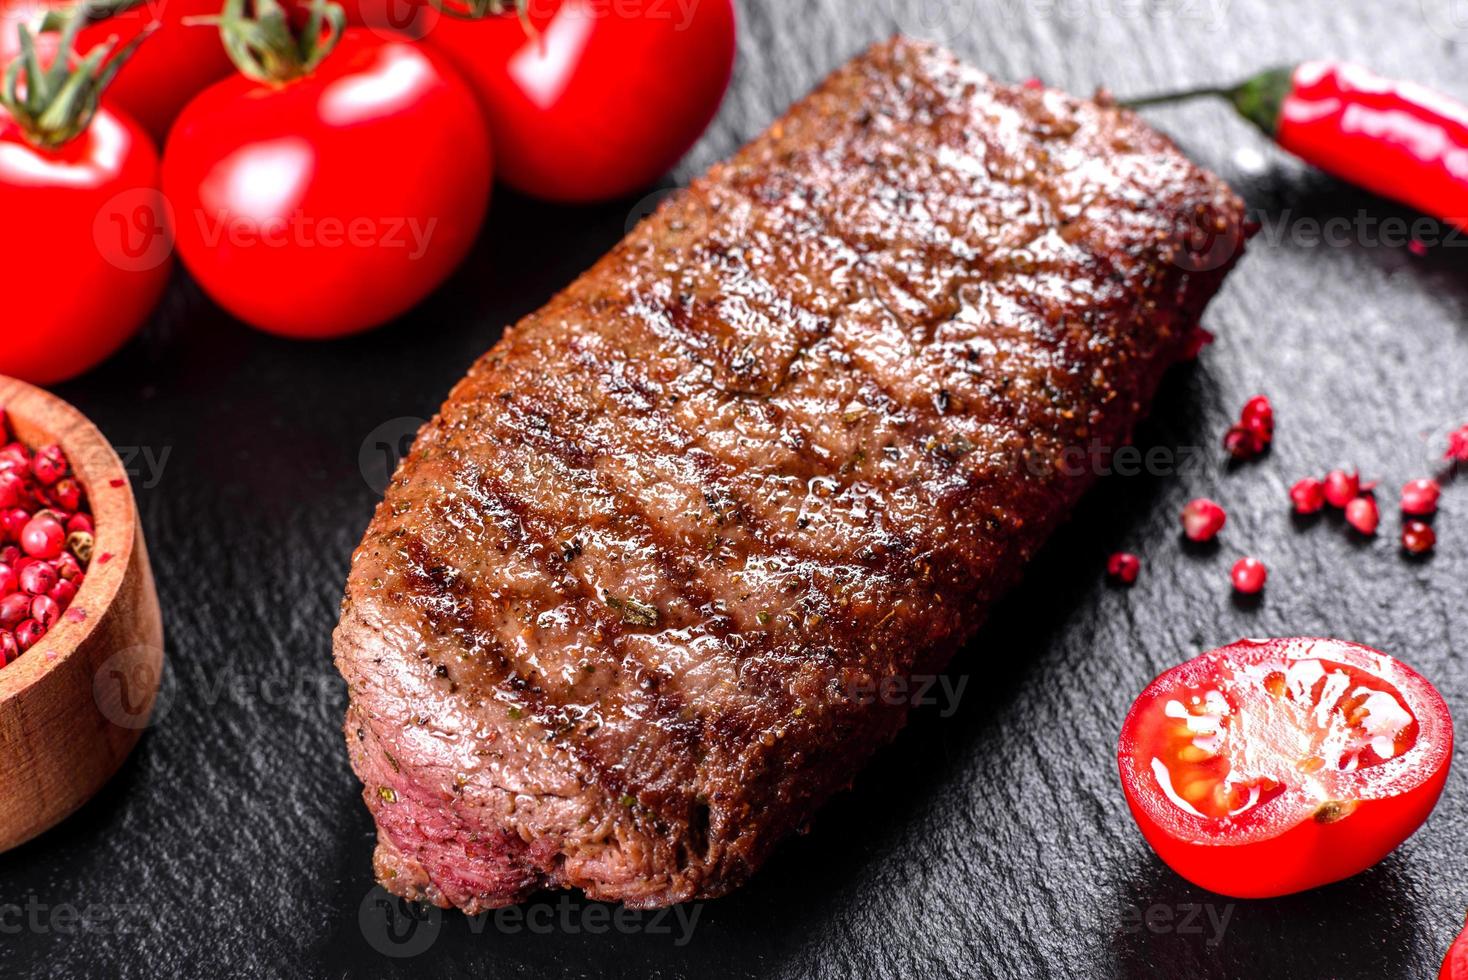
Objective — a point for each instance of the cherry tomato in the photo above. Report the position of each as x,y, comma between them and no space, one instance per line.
1455,967
598,99
166,71
86,252
1271,766
336,201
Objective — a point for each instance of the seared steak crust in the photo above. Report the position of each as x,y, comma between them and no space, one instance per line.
618,623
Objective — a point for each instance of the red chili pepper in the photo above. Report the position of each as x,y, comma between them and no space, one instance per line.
1398,139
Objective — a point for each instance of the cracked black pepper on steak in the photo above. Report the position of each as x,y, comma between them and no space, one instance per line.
623,619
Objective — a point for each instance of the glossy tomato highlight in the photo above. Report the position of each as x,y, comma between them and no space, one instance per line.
333,202
596,100
1272,766
86,250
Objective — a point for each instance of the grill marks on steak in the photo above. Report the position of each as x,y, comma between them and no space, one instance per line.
610,626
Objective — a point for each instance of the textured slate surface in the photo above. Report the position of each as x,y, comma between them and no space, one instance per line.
991,842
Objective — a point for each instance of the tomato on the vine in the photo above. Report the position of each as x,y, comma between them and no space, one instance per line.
335,200
86,252
1272,766
589,100
175,64
1455,967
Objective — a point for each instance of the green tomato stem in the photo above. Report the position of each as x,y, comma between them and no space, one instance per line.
57,103
267,48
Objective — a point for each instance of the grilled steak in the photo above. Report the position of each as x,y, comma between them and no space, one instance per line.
623,618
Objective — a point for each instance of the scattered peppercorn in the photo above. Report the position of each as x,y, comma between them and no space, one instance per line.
1341,487
1308,496
1418,538
1254,431
1124,567
1363,515
1203,519
1258,417
1242,444
1458,446
1249,575
1420,497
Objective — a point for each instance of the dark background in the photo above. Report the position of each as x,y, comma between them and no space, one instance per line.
994,842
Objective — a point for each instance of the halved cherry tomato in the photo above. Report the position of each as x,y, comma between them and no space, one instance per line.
172,66
1455,967
1271,766
597,99
86,251
336,201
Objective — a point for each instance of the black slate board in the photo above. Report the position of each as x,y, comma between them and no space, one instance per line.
992,842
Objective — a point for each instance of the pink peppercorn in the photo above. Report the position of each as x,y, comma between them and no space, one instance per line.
14,609
1341,487
1253,432
38,578
45,611
62,593
1242,443
28,634
68,567
12,490
1363,515
49,465
1458,446
1308,496
1258,417
1420,497
43,537
67,495
1124,567
1418,538
42,515
1203,519
1249,575
12,522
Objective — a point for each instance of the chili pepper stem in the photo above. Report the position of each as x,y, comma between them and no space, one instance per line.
1258,99
1183,95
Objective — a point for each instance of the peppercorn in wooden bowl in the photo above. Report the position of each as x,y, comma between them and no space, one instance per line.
73,705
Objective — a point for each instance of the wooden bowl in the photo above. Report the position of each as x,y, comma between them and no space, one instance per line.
72,707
